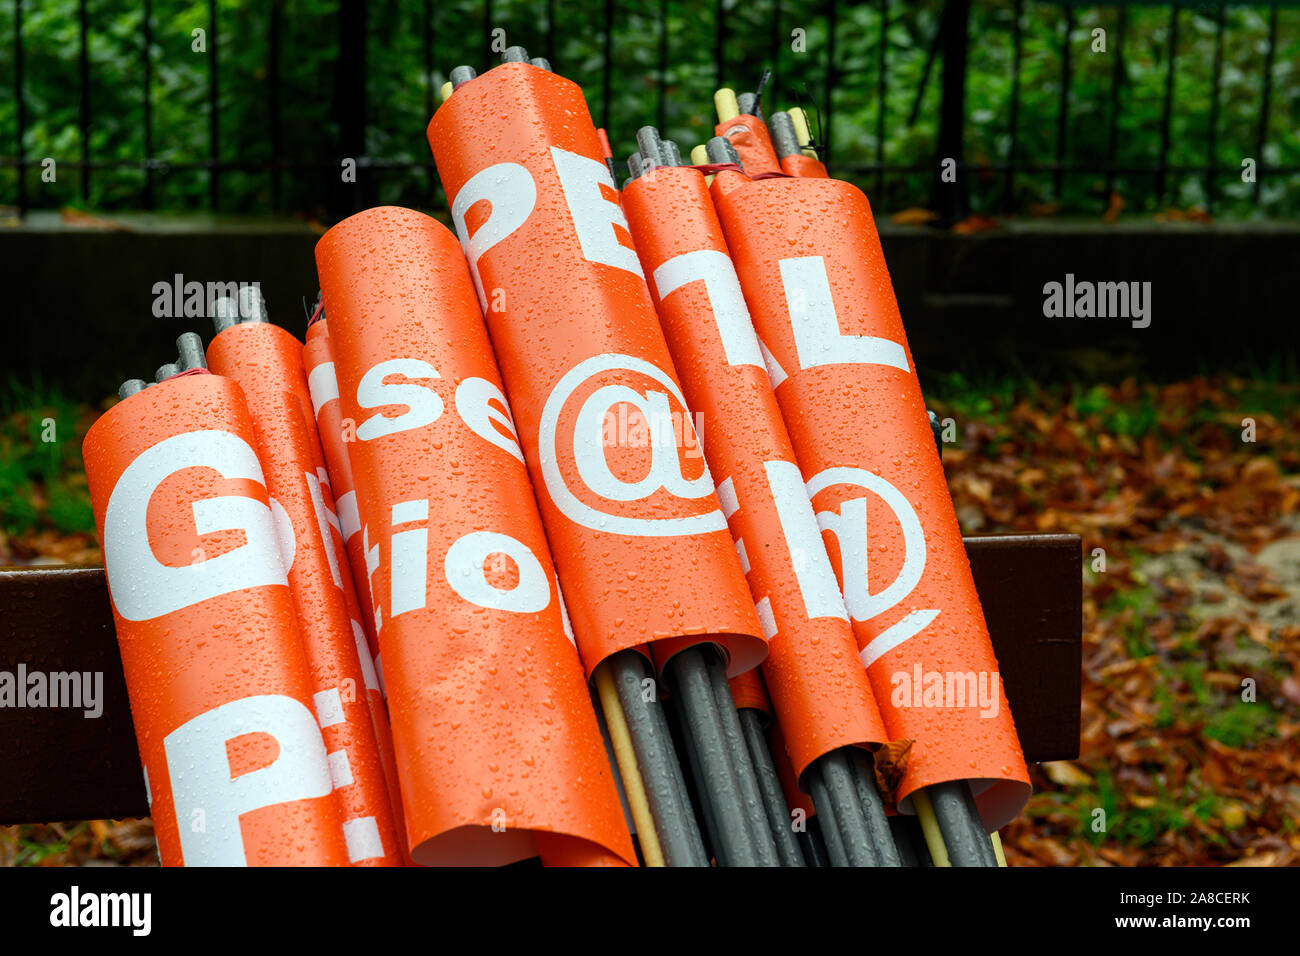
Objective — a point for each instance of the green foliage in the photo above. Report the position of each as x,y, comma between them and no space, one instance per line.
401,90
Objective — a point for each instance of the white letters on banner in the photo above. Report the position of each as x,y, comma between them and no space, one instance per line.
585,447
424,405
511,193
849,525
199,767
145,588
510,190
817,336
722,286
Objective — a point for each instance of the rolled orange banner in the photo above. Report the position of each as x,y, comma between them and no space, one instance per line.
492,721
752,141
821,693
629,505
221,693
266,362
814,276
334,434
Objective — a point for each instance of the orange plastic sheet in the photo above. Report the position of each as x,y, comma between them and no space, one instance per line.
638,534
814,277
804,167
493,726
230,730
752,141
819,688
266,362
749,691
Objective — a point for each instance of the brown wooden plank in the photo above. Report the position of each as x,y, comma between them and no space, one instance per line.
1031,589
61,765
57,764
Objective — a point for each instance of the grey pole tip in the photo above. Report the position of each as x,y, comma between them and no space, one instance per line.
191,351
647,140
514,54
130,387
252,307
672,155
541,63
748,103
225,313
460,75
634,165
166,371
720,150
784,137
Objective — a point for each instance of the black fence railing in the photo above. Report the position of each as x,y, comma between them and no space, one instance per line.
852,40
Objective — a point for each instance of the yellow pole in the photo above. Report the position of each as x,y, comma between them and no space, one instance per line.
446,90
802,130
627,768
724,101
996,839
700,157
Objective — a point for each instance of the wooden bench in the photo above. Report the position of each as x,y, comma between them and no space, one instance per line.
61,765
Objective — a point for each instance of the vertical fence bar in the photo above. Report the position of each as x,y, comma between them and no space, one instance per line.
1166,112
930,55
550,31
952,200
20,152
430,95
1013,120
1063,106
146,58
719,45
350,102
1213,145
1116,84
881,106
607,64
489,57
84,26
774,56
832,76
661,94
1261,138
427,37
214,115
273,89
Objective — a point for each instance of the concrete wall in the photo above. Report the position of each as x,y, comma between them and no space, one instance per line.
80,301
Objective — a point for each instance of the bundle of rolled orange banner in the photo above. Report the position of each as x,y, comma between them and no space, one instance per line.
595,531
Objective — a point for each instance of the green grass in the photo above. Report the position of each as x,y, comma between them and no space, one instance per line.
42,483
1141,601
1241,723
1131,824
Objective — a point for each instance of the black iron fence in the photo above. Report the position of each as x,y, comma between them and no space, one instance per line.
852,64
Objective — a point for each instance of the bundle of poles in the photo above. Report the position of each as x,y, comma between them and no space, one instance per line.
719,672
